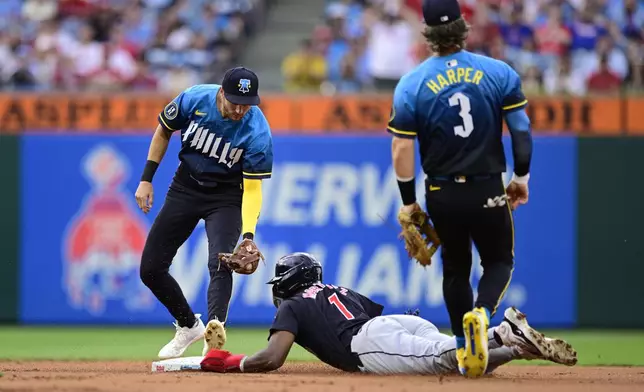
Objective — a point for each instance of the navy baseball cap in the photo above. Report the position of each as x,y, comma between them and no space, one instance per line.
440,12
241,86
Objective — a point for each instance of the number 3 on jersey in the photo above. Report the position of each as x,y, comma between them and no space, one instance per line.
463,101
334,300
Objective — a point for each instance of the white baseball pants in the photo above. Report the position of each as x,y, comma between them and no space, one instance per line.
402,344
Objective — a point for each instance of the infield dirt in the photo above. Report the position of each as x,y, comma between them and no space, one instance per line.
310,377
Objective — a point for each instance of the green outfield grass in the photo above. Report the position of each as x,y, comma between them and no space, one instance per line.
108,343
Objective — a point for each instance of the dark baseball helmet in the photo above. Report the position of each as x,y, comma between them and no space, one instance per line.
294,272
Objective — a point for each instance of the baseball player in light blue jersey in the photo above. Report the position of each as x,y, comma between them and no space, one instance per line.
454,104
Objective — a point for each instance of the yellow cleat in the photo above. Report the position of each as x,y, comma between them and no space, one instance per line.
460,357
214,336
475,357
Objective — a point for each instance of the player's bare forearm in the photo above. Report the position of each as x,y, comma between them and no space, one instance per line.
402,155
159,144
273,356
261,362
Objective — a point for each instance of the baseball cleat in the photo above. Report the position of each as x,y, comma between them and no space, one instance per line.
460,357
214,337
475,360
515,331
183,338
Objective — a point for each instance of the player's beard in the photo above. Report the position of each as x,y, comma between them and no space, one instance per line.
234,116
229,114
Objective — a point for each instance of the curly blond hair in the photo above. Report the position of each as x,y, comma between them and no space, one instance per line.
447,37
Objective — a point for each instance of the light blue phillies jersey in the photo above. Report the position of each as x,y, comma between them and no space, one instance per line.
217,149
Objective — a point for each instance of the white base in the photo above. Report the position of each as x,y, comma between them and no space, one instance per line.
177,365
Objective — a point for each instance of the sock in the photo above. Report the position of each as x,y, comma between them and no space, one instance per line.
460,342
188,321
487,312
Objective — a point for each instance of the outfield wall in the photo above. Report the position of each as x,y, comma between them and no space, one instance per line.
69,217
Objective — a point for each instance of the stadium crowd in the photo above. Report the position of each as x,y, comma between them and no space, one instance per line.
162,45
558,46
562,47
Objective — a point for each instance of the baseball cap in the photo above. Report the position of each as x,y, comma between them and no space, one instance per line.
440,12
241,86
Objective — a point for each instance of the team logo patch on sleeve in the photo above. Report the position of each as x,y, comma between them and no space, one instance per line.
171,111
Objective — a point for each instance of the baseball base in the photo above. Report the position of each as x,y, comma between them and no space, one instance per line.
177,365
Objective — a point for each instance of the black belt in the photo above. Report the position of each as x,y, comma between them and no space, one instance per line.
461,179
185,177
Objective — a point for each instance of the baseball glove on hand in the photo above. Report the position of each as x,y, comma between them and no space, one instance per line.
244,259
421,239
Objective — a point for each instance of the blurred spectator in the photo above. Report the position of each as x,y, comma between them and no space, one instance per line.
516,31
562,79
39,10
139,26
497,50
43,66
616,59
553,37
354,71
628,14
304,70
390,44
603,80
177,79
528,57
635,76
483,30
143,78
532,81
585,34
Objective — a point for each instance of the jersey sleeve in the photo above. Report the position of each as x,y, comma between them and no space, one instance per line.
513,98
258,158
175,115
373,309
285,320
402,122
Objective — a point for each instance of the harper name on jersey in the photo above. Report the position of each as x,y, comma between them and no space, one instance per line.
453,76
214,148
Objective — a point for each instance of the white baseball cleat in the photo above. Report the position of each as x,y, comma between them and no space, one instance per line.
183,338
516,332
214,337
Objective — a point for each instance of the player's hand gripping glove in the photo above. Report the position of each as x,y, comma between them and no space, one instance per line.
244,259
222,361
421,239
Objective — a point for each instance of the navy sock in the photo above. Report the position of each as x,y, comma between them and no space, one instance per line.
460,342
487,312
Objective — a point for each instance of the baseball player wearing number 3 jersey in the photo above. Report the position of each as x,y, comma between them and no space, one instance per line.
347,330
454,105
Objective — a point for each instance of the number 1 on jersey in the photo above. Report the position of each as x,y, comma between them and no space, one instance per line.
463,101
334,300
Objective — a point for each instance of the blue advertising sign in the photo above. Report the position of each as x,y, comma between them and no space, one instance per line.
335,197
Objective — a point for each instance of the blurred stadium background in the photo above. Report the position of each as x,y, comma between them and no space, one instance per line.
83,80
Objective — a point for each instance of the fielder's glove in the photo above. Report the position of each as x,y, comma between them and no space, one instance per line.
244,259
421,239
